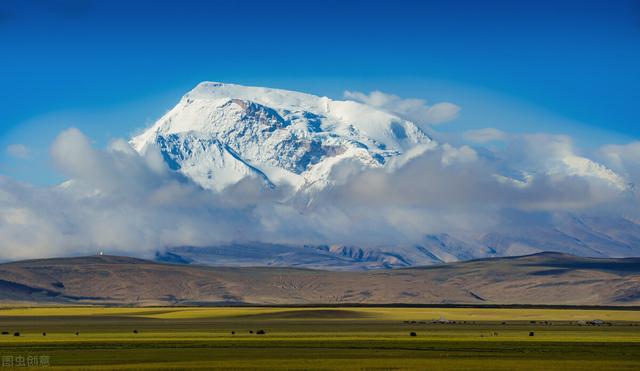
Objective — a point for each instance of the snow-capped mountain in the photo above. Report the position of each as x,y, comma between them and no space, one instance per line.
220,133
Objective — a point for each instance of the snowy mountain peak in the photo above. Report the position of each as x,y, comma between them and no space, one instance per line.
219,134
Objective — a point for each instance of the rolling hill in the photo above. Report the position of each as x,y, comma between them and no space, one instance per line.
545,278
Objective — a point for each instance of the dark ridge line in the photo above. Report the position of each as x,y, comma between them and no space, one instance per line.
47,292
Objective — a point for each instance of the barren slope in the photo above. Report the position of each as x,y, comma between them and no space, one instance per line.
547,278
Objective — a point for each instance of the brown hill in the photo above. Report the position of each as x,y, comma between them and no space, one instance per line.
547,278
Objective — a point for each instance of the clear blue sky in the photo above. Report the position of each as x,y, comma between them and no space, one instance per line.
111,67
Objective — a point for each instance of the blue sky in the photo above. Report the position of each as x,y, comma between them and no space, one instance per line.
111,68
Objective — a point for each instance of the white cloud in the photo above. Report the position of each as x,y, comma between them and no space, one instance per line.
121,202
19,151
452,155
485,135
557,156
415,110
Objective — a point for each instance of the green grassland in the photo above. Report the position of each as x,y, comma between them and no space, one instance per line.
323,338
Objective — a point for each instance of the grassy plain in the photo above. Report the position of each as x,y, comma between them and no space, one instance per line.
322,338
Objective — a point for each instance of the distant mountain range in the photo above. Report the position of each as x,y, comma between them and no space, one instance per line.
546,278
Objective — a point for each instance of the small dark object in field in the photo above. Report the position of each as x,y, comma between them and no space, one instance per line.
16,334
135,331
532,322
77,333
531,333
251,331
233,332
5,332
504,323
44,334
413,334
260,332
495,333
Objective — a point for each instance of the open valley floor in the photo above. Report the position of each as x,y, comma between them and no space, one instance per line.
372,338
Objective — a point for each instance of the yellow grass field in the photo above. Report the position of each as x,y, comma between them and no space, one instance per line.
322,338
382,313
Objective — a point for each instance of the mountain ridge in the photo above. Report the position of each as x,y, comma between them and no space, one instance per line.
545,278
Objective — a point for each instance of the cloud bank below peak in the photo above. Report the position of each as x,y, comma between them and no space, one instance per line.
122,202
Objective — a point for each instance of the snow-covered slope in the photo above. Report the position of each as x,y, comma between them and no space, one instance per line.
220,133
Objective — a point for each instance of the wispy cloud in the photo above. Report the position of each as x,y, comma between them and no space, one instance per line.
485,135
19,151
412,109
